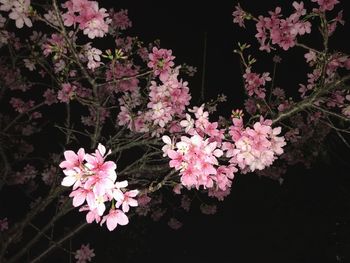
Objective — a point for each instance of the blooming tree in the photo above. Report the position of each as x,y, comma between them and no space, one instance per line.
125,129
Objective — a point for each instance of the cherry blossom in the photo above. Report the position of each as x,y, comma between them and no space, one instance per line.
94,182
161,61
84,254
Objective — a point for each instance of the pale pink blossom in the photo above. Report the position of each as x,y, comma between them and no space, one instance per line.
19,12
84,254
161,61
115,217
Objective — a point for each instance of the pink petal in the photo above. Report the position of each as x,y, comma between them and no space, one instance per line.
122,218
166,139
79,199
112,222
125,207
68,181
133,193
70,156
133,202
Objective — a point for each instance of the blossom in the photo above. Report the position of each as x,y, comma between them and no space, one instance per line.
91,20
120,20
239,15
19,11
93,56
114,218
128,200
254,83
3,224
66,93
161,61
50,97
84,254
326,5
21,106
174,223
282,31
94,182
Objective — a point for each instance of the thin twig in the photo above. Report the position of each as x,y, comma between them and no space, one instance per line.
204,65
59,242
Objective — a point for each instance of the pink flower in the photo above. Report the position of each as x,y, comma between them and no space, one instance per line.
161,61
174,223
326,5
20,106
114,218
255,83
66,93
73,160
96,162
88,16
79,196
19,13
3,224
239,15
84,254
127,200
120,20
50,97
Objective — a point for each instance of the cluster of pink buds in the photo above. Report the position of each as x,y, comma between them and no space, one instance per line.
94,181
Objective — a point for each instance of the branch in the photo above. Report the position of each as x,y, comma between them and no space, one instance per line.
309,102
17,229
41,232
59,242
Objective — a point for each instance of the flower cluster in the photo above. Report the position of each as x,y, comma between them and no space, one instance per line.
280,31
254,148
94,181
161,61
196,157
254,83
19,11
167,103
88,16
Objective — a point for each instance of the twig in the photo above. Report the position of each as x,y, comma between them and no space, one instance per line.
59,242
204,65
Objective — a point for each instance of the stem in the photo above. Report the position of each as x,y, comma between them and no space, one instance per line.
204,67
17,229
273,80
126,78
331,113
307,47
40,233
21,115
72,48
6,167
59,242
309,102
